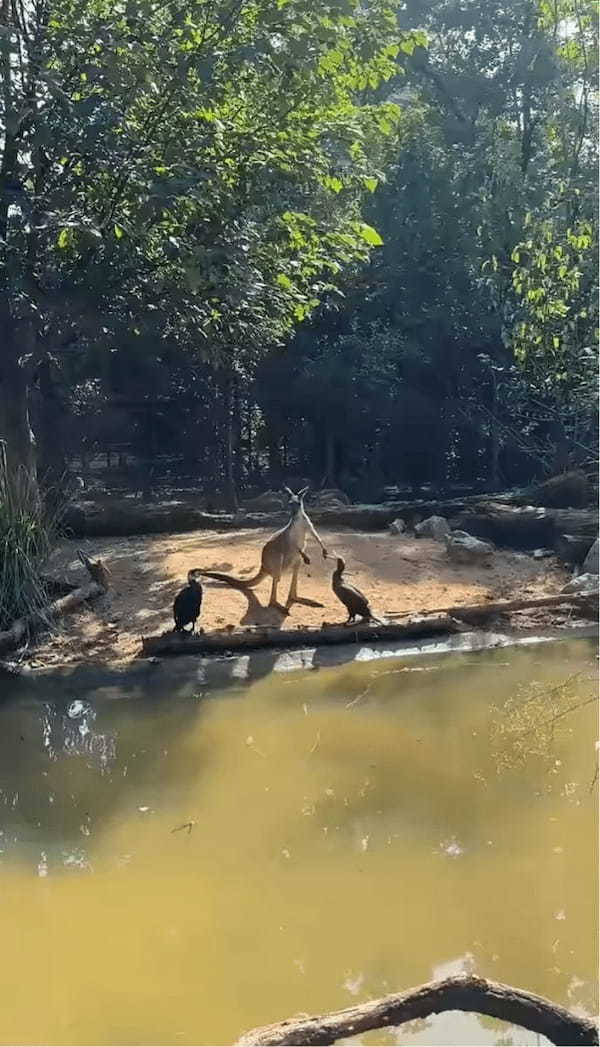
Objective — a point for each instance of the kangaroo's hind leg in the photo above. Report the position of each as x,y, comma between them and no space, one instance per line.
293,593
276,575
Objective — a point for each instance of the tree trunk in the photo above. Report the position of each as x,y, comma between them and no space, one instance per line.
274,460
494,477
329,479
230,486
15,427
238,444
52,461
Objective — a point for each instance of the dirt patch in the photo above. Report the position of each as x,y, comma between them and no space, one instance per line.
397,573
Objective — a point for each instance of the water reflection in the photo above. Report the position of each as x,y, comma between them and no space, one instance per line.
176,870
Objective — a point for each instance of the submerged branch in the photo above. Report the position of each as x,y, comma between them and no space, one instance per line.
461,993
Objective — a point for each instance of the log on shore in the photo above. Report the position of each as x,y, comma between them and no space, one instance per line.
575,521
128,516
527,527
24,627
572,549
461,993
256,639
480,611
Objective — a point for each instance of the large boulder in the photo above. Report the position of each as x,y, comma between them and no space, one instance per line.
464,548
566,491
436,527
584,583
590,564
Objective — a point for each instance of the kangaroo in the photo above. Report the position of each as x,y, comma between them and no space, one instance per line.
284,550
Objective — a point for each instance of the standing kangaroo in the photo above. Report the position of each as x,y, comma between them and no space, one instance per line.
284,550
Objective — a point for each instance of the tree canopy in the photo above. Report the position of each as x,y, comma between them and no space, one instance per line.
356,239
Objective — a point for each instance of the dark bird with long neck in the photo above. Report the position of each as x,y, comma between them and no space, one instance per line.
353,600
187,604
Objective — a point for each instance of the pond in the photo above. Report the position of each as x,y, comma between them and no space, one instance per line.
178,868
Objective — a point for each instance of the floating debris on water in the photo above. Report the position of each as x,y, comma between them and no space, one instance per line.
452,848
76,709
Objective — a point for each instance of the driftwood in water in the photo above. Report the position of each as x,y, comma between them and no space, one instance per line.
255,639
461,993
573,548
479,611
31,623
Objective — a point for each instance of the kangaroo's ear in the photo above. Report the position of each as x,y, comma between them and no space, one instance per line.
303,492
288,492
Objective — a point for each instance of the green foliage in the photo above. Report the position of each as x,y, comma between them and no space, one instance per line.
26,535
193,169
555,328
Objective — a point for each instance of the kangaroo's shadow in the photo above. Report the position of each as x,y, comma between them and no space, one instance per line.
257,613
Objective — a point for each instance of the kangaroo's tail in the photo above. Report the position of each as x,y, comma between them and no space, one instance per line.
236,583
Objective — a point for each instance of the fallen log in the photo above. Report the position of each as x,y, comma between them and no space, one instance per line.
572,549
255,639
461,993
526,527
479,611
128,516
575,521
24,627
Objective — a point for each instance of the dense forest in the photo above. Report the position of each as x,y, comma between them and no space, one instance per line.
242,241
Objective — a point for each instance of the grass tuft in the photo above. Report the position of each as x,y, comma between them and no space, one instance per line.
26,536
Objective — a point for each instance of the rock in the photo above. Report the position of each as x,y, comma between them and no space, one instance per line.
541,554
569,490
436,527
463,548
590,564
584,583
397,526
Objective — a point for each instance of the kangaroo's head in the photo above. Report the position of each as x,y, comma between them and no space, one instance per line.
295,501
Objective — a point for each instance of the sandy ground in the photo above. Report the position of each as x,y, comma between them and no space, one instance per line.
397,573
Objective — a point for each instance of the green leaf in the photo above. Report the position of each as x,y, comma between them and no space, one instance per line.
371,184
368,234
118,232
284,281
64,238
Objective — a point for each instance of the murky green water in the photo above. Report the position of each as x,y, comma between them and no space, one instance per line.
178,870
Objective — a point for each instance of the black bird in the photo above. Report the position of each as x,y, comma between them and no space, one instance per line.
187,604
353,600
